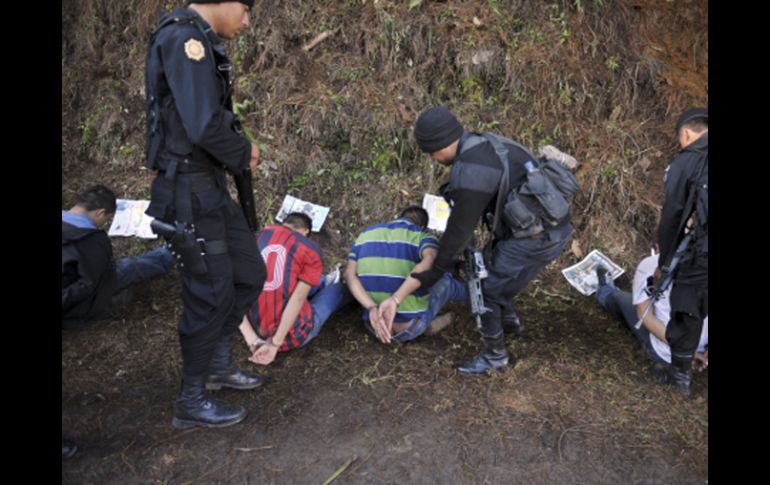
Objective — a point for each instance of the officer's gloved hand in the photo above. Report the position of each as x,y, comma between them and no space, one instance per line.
430,277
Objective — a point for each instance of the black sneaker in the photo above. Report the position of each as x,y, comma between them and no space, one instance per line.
659,372
601,275
68,449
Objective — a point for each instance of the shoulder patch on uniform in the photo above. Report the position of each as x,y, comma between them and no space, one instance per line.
194,49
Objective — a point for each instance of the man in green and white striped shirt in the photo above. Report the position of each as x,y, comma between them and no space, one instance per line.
378,276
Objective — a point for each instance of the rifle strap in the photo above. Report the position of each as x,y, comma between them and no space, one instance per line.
689,206
502,191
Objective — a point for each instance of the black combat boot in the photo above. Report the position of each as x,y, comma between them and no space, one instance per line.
494,357
194,408
672,375
680,378
223,372
512,324
68,449
659,372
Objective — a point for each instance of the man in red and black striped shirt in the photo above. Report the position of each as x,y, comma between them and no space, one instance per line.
294,304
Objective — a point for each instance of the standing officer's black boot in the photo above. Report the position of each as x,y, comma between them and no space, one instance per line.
194,408
223,372
494,357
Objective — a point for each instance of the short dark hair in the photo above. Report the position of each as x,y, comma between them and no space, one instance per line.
298,220
697,125
416,214
97,197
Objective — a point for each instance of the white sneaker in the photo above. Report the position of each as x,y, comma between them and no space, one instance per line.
333,276
552,153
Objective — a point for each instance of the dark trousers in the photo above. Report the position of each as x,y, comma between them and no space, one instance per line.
512,264
689,306
215,302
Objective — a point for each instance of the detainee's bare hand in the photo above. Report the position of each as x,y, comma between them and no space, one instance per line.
388,309
700,362
265,354
378,325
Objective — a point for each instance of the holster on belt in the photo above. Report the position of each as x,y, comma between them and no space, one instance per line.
181,238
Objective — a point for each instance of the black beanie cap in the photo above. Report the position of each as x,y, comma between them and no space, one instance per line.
436,128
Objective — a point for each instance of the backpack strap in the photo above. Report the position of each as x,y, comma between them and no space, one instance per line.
502,154
505,181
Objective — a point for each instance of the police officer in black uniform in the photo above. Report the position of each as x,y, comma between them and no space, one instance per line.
686,210
513,257
192,137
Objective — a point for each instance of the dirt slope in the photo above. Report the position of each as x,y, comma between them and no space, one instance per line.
603,80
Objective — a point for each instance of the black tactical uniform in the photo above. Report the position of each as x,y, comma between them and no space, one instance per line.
512,262
686,184
192,137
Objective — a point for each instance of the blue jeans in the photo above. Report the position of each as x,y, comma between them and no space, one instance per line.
446,289
132,269
621,305
325,300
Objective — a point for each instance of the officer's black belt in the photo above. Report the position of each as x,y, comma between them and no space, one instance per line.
190,183
198,182
177,166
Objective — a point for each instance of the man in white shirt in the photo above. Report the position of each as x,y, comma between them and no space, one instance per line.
652,334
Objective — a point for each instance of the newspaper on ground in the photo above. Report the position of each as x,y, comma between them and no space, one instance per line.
292,204
583,275
438,211
130,219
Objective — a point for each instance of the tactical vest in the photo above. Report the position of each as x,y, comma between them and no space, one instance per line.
538,203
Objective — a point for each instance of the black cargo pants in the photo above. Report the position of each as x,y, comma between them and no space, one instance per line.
689,307
215,302
512,264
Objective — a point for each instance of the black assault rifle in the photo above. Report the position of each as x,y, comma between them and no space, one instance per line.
246,197
656,292
475,271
